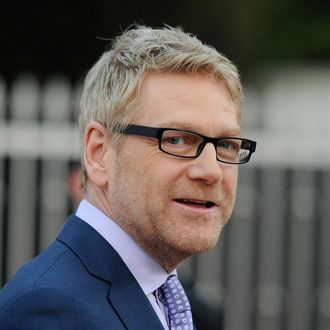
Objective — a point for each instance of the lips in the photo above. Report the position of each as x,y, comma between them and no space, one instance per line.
197,203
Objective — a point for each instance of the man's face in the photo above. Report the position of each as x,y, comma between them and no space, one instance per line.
160,199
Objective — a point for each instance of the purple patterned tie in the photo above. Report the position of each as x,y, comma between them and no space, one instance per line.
172,295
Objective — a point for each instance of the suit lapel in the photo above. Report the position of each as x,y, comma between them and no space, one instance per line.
102,261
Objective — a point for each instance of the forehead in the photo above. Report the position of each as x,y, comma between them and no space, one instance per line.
190,101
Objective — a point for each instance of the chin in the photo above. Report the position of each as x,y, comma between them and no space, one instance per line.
197,245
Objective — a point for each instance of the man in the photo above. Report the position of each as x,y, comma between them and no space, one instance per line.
160,122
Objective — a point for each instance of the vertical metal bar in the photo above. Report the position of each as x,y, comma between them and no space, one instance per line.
238,309
301,251
209,277
258,202
286,245
22,192
323,277
56,110
317,243
38,196
272,201
2,178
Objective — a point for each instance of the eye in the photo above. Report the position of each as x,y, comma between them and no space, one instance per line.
175,140
229,145
180,143
179,138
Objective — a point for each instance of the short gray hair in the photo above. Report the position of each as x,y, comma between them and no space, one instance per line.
112,86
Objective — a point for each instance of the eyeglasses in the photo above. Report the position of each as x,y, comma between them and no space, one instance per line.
186,144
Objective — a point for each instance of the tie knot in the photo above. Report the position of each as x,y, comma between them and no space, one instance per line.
173,296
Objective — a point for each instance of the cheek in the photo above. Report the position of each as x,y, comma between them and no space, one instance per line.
159,171
158,182
141,179
229,182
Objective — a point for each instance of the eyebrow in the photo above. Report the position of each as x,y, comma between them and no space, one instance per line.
227,131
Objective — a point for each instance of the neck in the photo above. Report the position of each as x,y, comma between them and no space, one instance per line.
160,251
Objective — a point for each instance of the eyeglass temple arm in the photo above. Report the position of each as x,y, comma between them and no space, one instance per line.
142,130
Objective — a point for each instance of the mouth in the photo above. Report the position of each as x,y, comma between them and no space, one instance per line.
196,203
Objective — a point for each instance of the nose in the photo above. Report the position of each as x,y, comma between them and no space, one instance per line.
205,167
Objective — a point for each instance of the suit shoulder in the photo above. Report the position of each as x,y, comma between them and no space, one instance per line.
34,309
46,267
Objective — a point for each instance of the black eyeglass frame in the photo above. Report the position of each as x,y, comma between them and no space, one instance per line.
157,132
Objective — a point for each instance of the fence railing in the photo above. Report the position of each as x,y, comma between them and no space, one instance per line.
271,268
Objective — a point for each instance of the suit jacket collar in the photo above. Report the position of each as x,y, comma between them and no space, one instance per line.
102,261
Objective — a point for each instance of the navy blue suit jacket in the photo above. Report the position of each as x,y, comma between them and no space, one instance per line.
79,282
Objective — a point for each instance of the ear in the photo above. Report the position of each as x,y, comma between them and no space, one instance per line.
95,153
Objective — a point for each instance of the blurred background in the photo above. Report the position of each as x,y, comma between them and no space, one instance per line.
271,268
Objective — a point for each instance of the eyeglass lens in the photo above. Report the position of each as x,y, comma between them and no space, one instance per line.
186,144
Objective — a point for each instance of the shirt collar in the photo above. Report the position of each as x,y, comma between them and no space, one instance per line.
147,271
